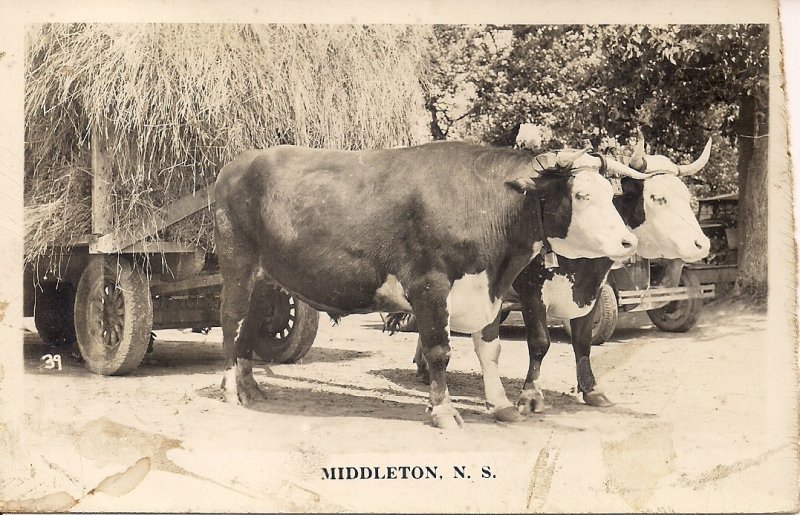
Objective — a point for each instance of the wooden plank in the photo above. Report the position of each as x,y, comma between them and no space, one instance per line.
170,313
705,291
80,241
102,208
170,214
717,275
165,247
185,285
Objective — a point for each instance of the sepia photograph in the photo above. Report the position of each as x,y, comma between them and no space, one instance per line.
432,257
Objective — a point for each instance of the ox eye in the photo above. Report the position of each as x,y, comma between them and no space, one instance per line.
658,200
582,196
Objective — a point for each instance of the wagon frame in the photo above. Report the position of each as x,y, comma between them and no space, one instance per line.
108,290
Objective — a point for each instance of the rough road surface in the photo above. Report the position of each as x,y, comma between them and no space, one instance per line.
701,423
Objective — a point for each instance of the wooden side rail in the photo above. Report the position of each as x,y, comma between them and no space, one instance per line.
657,294
110,241
116,241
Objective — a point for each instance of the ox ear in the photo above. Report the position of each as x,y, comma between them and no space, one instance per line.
523,185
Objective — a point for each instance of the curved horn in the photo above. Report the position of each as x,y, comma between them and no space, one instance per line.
693,168
614,167
637,159
566,158
618,168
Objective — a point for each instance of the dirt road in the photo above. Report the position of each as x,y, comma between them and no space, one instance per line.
703,421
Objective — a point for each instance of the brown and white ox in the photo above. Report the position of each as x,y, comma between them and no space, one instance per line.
657,209
440,230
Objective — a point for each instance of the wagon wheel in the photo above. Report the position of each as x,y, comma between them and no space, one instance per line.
679,315
53,313
605,313
400,322
113,315
288,329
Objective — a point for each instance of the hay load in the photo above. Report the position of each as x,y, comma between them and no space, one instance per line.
173,103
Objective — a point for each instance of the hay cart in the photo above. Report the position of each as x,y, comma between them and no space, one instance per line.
110,289
670,291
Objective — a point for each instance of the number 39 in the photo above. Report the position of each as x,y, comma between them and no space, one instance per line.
51,361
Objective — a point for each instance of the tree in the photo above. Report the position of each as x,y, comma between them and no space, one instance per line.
450,95
679,83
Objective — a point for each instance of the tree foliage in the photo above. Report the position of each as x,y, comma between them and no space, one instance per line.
679,83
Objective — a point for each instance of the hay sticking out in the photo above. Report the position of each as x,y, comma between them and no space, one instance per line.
173,103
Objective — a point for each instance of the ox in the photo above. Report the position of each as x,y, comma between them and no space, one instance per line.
658,211
655,205
440,230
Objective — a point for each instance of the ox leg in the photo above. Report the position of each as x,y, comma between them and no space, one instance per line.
422,366
237,265
429,300
582,345
487,347
534,313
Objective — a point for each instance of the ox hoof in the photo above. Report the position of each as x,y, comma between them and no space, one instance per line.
597,399
231,397
532,402
445,416
250,393
508,414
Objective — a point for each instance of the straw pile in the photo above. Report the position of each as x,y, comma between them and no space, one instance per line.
176,102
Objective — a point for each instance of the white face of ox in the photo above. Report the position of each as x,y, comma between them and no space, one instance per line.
670,228
596,228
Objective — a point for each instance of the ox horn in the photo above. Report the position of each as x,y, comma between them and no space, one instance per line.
693,168
615,167
637,159
566,158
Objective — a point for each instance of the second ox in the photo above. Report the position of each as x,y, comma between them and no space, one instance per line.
440,230
656,206
658,211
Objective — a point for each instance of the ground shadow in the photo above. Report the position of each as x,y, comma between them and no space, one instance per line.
303,401
38,355
466,384
167,357
326,355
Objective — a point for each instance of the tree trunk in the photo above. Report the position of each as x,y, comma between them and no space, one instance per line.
752,167
436,131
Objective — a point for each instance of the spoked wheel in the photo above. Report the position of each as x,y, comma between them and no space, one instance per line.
605,316
679,315
402,322
113,316
288,329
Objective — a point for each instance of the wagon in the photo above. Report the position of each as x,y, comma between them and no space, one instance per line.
668,290
109,290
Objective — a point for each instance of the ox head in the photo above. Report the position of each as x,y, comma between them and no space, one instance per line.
574,203
658,209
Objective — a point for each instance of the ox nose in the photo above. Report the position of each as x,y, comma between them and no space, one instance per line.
627,244
699,244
